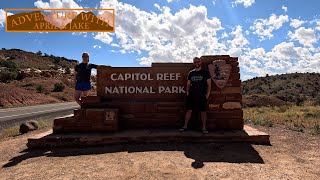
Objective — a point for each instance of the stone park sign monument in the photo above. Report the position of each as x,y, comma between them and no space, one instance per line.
154,97
147,104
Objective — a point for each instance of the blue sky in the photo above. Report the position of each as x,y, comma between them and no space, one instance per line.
268,36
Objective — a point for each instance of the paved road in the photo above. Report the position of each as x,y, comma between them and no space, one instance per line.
11,114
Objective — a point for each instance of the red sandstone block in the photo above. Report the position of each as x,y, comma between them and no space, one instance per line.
214,107
150,107
234,76
225,114
64,120
217,98
95,115
225,123
104,128
90,99
231,90
233,59
233,83
129,107
80,114
234,97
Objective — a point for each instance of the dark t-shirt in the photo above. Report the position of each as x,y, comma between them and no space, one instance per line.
84,71
198,87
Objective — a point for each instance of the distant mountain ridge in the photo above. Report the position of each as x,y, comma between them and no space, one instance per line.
295,88
38,60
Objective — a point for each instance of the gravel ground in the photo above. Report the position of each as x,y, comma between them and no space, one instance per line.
293,155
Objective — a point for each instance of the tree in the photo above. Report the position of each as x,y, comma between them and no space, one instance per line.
39,53
68,71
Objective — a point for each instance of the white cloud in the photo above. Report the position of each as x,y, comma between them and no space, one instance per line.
246,3
158,7
169,1
264,27
305,36
239,40
96,46
178,37
57,4
214,2
282,58
165,36
103,37
285,8
296,23
3,17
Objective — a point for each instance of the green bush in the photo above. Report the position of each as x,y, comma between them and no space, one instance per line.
262,122
316,129
58,87
7,75
62,98
68,71
318,100
40,89
12,66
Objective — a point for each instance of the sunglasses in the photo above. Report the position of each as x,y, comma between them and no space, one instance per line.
196,62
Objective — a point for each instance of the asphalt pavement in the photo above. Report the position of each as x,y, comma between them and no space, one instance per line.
11,114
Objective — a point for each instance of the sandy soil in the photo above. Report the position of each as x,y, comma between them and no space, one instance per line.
293,155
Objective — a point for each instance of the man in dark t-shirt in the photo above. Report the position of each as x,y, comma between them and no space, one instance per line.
82,77
198,92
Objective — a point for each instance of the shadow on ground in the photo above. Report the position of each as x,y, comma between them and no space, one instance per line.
200,152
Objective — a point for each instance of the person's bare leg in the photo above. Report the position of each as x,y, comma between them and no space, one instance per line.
204,120
77,95
85,93
187,118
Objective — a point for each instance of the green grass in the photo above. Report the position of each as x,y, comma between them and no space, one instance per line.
296,118
14,131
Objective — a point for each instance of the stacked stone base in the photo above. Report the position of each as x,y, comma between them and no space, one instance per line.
88,120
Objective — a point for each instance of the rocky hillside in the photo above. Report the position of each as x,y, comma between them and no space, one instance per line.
28,78
38,60
295,88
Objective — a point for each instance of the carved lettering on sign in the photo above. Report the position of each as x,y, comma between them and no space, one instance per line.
220,72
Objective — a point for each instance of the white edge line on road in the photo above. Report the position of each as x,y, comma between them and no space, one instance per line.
30,107
33,112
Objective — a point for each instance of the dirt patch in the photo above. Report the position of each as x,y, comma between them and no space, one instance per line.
293,155
262,100
12,96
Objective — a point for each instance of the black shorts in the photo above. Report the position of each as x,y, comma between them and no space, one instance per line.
196,103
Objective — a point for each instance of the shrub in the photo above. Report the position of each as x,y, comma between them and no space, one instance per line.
262,122
6,75
12,66
40,89
299,101
316,129
68,71
58,87
318,100
39,53
62,98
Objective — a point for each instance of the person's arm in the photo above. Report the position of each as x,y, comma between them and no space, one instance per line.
208,85
208,88
188,87
94,66
188,83
75,75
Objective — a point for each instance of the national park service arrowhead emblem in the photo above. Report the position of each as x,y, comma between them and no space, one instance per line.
220,72
110,116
